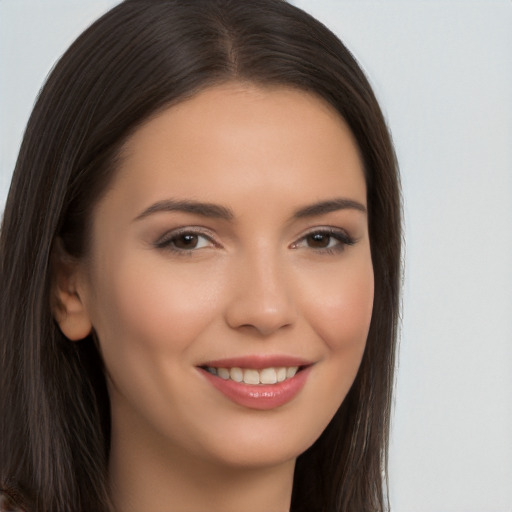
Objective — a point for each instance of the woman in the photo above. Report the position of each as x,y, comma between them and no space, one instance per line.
200,262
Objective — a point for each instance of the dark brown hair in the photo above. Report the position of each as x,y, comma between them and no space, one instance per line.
136,60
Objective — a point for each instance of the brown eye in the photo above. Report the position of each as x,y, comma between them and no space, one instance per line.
319,240
186,241
328,241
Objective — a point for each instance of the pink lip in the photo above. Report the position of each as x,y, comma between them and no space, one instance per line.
260,396
258,361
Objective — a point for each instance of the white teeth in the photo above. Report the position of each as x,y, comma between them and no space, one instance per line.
268,376
291,371
223,373
252,376
236,374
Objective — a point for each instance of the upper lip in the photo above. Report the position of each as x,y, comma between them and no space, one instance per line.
257,361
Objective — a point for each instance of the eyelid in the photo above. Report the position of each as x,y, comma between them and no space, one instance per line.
338,233
164,242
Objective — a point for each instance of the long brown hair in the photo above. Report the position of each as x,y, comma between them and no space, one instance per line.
139,58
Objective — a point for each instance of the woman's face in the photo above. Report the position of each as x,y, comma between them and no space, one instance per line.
232,245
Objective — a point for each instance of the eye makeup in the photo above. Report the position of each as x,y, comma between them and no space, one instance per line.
188,239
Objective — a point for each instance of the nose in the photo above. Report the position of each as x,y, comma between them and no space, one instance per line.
262,300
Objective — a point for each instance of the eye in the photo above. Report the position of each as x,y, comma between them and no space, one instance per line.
321,241
184,241
325,240
190,241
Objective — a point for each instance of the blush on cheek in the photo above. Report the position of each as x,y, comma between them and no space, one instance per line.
343,320
163,311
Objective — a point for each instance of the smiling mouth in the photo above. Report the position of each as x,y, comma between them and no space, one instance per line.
261,382
252,376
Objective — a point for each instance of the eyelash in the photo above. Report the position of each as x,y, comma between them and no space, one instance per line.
342,237
168,241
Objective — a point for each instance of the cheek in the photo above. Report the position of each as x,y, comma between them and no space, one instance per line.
154,306
341,308
148,318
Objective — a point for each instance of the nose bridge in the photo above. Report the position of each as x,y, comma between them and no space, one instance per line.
261,298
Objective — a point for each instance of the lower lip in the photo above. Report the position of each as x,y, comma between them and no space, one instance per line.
259,396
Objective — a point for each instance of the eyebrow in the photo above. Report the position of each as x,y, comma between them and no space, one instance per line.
332,205
217,211
188,206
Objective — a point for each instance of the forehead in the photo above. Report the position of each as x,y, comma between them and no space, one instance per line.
236,140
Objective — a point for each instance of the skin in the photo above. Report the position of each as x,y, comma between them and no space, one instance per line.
253,284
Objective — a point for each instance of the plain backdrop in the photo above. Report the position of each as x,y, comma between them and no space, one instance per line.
442,71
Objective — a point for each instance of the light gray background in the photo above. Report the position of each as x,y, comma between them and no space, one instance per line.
443,73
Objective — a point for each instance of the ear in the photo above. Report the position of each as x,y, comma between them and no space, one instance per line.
68,306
